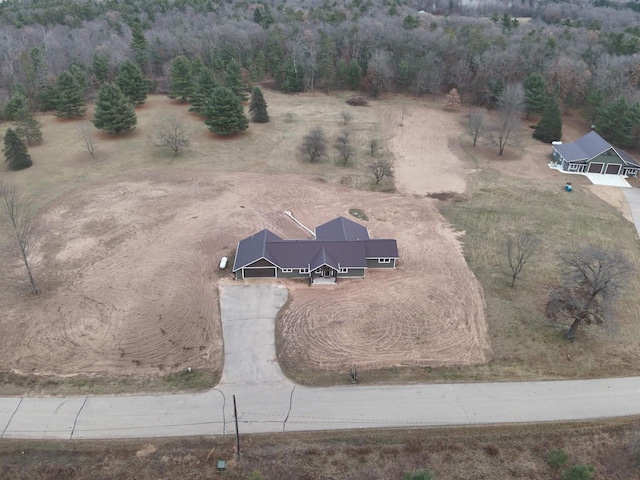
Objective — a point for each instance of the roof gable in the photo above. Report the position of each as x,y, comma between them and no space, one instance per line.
253,248
341,229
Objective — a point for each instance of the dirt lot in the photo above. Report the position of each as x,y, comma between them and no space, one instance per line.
128,263
135,263
523,451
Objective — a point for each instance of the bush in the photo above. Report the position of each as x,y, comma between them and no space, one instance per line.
557,458
578,472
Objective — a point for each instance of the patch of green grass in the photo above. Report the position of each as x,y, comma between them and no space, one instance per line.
356,212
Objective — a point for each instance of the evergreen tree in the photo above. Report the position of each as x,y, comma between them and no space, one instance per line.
535,94
181,79
290,78
48,97
635,123
69,101
100,67
354,73
131,81
549,128
113,112
258,107
27,127
224,113
18,102
204,86
15,152
326,59
342,77
402,78
233,80
614,122
140,46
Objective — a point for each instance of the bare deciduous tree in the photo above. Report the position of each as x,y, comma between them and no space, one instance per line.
314,144
476,125
171,134
343,146
86,131
591,281
520,248
452,101
510,105
375,147
381,168
346,116
21,229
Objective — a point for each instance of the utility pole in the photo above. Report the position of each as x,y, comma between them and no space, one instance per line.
235,415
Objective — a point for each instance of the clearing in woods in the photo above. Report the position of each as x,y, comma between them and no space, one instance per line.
129,261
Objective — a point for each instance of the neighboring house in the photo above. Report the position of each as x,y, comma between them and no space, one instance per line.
593,154
342,249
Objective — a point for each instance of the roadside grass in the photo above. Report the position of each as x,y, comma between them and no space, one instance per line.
17,385
463,453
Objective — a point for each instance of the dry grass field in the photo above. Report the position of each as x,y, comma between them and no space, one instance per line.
475,453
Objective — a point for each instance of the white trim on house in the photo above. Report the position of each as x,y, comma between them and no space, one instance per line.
303,270
287,270
384,260
343,270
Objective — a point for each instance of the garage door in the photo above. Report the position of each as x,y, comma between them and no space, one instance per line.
595,167
259,272
613,169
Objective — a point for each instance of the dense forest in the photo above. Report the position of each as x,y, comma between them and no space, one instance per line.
588,50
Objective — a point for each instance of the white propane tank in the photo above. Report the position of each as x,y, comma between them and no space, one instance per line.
223,263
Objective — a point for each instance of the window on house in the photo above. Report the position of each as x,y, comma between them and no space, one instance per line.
384,260
303,270
343,270
287,270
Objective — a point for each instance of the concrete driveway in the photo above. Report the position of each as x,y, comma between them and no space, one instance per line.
248,314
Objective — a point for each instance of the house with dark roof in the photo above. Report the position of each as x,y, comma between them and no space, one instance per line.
341,249
593,154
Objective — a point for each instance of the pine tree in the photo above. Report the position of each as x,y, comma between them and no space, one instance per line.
181,79
17,103
233,80
140,46
113,112
131,81
258,107
48,97
535,93
15,152
354,74
204,86
100,67
224,113
69,102
549,128
27,127
614,122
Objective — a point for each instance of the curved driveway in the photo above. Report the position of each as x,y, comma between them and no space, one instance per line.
268,402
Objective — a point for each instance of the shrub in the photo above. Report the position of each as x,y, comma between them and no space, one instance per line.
418,475
557,458
578,472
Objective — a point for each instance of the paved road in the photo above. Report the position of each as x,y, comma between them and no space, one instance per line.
633,199
277,405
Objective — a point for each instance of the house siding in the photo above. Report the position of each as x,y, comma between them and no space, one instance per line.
373,263
294,274
353,272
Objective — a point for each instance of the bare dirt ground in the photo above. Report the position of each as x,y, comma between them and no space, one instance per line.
135,263
129,260
425,143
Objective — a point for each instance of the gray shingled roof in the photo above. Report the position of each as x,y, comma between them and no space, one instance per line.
340,253
590,146
341,229
253,248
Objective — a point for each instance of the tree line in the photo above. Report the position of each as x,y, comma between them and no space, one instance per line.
591,51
